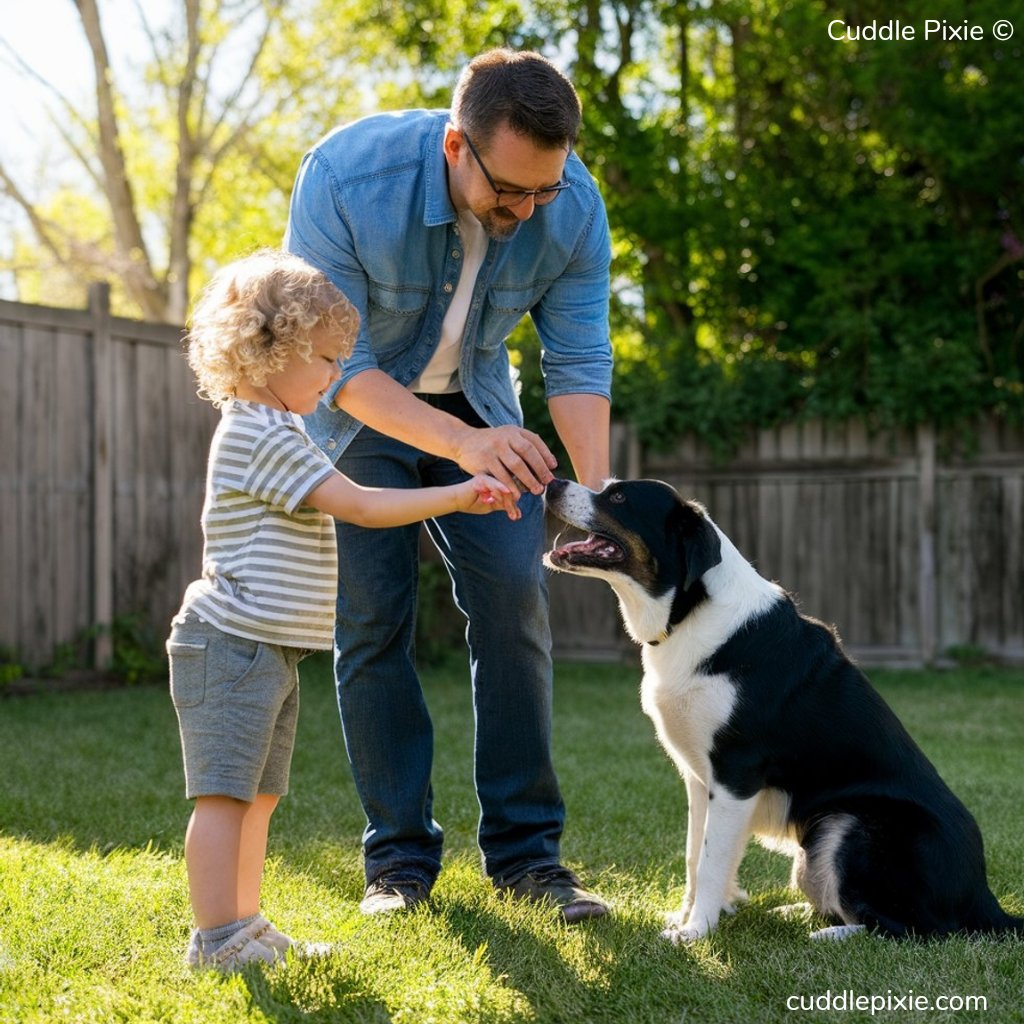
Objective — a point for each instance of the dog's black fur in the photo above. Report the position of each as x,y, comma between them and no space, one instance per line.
775,731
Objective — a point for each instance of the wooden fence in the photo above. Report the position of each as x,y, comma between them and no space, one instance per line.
913,553
909,551
101,474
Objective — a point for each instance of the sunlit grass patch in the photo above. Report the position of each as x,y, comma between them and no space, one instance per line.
94,912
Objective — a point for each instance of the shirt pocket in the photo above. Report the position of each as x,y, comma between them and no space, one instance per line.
515,300
506,307
397,300
188,673
395,317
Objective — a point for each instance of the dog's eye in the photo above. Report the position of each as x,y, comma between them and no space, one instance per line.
616,497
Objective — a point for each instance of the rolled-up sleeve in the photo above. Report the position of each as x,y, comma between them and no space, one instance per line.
572,317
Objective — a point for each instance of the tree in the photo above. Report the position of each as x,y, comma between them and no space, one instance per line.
164,158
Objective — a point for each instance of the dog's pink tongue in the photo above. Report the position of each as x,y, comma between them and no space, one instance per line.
576,545
591,546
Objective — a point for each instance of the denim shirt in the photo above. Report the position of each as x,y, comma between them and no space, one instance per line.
371,209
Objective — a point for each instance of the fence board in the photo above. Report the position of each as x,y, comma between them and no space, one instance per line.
103,444
1013,578
35,512
908,566
11,594
70,517
125,465
150,488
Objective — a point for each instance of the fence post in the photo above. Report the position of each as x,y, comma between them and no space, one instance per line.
926,541
101,407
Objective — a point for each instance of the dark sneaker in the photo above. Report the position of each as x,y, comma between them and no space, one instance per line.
555,884
393,890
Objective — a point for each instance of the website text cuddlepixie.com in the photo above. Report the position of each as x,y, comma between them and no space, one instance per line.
932,30
847,999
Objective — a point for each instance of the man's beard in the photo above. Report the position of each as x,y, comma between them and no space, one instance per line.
498,225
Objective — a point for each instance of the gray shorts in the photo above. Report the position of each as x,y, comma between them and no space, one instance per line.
237,702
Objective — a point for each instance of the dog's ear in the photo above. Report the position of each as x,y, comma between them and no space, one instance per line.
697,540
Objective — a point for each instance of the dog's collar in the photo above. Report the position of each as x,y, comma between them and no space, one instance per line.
661,637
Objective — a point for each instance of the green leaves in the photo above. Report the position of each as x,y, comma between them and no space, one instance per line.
826,228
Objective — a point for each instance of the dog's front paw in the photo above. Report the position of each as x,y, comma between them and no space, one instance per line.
680,929
837,933
794,911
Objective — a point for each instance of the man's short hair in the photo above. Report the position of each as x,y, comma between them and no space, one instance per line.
521,89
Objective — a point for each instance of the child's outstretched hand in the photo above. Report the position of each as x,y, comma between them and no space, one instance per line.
484,494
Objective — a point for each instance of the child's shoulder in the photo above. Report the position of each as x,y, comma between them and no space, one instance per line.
239,414
250,428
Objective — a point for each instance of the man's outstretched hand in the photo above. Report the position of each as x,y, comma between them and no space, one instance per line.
517,457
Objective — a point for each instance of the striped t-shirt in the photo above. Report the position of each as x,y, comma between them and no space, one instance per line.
270,564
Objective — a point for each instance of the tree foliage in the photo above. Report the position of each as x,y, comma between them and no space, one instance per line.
189,155
802,226
833,230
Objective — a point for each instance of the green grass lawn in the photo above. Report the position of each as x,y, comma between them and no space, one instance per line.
94,911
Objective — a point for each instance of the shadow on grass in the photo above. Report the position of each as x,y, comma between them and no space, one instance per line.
615,969
322,995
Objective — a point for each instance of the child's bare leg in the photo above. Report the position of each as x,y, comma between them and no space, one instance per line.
252,853
213,846
225,848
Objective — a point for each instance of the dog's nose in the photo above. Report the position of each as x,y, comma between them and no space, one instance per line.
555,488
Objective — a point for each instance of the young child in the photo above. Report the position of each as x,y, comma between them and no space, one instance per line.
265,342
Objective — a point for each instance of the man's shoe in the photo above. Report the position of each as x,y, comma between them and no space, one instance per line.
557,885
393,890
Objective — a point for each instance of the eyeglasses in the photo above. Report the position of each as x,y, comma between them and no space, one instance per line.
540,196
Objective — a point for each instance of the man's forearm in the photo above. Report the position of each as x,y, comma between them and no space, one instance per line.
373,398
583,423
513,455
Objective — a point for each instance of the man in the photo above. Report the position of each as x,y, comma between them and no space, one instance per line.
445,229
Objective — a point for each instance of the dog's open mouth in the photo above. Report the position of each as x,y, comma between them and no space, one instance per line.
594,550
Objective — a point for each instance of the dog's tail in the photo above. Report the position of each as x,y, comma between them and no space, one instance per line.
1010,925
1001,923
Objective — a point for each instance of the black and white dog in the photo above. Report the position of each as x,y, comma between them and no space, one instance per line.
776,733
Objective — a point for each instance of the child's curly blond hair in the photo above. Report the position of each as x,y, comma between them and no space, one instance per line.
254,313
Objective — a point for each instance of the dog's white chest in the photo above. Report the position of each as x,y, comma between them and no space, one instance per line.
686,711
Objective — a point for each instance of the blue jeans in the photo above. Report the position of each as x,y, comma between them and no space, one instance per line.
499,585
